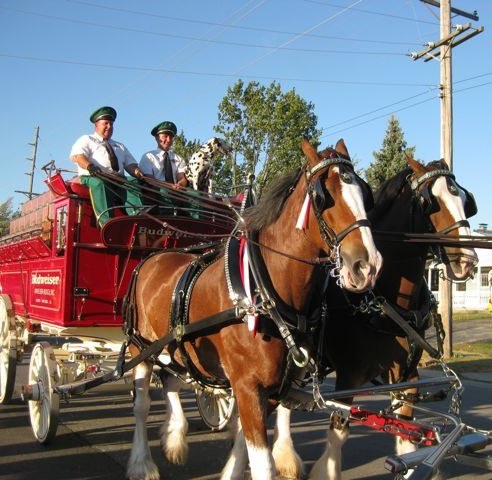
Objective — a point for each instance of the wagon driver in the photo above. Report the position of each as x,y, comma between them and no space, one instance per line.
98,152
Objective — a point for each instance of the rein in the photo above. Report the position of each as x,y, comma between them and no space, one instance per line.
471,241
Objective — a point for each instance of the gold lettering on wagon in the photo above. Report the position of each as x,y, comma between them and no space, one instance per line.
45,289
38,279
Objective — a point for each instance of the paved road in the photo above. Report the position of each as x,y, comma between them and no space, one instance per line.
479,330
95,431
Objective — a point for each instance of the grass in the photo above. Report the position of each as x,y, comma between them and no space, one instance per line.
467,357
472,357
464,315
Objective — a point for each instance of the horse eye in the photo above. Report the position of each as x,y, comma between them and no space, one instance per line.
346,177
453,189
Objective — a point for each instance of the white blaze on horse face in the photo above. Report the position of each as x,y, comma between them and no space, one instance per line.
354,198
455,204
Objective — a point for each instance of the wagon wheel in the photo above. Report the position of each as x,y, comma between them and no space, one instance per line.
8,350
45,403
215,406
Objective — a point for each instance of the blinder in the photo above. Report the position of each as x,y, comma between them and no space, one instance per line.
470,204
322,199
366,194
429,203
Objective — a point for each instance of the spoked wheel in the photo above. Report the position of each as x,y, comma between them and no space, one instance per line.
215,406
44,403
8,350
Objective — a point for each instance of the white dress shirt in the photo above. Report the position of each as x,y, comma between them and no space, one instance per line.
152,163
92,147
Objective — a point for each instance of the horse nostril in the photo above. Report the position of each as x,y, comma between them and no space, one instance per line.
359,268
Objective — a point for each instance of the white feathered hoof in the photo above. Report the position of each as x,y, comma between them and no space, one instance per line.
287,462
174,447
145,469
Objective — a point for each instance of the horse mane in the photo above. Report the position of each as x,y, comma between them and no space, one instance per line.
271,203
390,189
387,193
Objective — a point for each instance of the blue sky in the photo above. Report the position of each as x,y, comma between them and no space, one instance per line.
174,60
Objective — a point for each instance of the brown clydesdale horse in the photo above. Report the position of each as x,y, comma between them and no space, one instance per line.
420,199
176,292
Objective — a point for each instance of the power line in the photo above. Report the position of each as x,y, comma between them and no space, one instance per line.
240,27
211,74
378,117
201,39
237,15
372,12
398,110
378,109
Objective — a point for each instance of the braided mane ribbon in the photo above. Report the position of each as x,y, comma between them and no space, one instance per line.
304,213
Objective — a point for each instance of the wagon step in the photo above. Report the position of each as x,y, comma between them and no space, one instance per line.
426,460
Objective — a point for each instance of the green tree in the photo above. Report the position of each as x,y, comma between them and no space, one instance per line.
264,127
390,159
6,214
185,148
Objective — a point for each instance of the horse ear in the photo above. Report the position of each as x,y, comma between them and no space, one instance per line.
310,153
341,148
417,167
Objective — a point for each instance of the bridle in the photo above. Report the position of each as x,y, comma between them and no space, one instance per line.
421,190
424,197
320,202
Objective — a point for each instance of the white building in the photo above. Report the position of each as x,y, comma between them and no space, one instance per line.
475,293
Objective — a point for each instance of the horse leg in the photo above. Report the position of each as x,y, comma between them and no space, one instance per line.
238,459
175,426
402,445
405,412
329,465
252,407
141,466
287,461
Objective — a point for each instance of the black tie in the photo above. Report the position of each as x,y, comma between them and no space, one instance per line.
168,169
112,156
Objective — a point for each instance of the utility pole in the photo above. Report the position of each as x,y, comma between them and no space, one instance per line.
32,159
443,49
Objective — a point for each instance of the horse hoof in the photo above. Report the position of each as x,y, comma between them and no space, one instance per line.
288,463
175,453
146,470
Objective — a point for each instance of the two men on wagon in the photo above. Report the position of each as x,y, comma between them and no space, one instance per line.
98,153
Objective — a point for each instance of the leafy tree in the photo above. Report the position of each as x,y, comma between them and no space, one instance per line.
185,148
6,214
264,126
391,158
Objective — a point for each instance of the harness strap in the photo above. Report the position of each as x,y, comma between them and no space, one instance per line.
182,290
388,310
292,317
276,308
182,333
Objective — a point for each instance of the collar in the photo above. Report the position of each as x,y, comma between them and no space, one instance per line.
101,139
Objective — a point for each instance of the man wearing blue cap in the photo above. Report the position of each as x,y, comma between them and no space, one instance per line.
98,153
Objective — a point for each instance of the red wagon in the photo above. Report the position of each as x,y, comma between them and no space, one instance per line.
63,278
